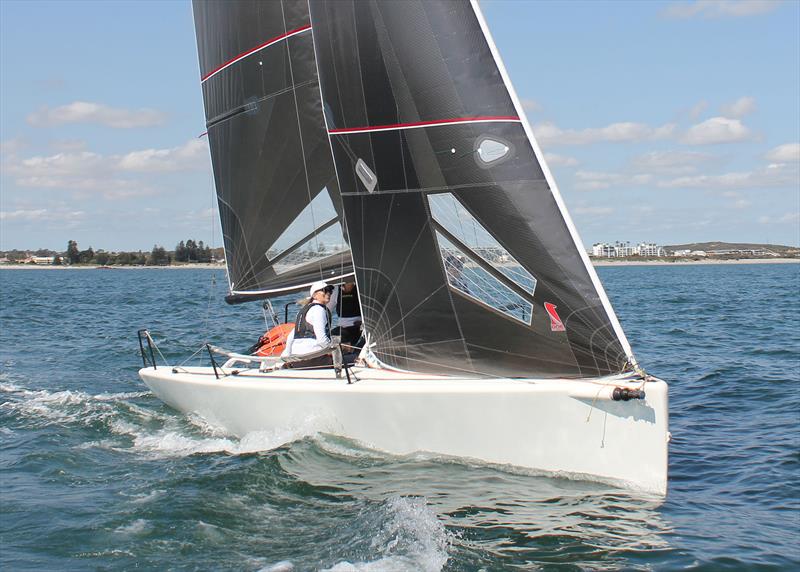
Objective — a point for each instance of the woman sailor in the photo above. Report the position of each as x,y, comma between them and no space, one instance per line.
312,331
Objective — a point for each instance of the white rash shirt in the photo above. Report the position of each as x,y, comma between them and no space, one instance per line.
317,318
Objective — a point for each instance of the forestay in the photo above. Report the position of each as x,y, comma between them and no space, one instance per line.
466,261
278,196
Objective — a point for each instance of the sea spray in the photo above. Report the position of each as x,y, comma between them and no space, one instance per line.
409,537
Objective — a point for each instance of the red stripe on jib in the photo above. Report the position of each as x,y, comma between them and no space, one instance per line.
479,119
253,50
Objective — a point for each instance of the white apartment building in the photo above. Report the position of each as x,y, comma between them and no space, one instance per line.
620,249
650,249
603,250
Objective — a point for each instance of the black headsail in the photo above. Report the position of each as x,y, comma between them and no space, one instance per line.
466,260
278,196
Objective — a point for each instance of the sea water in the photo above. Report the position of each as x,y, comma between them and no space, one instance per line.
97,474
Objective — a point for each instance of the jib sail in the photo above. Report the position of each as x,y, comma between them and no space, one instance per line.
466,260
278,197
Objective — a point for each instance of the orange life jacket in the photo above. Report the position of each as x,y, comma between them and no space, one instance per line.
273,342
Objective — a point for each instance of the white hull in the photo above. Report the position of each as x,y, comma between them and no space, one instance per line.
566,427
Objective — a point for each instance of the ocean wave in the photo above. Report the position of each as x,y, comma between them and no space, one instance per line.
43,408
282,566
136,527
410,537
178,440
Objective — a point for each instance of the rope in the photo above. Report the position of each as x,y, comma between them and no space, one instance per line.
191,356
164,359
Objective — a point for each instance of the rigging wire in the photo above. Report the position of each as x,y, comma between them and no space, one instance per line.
212,288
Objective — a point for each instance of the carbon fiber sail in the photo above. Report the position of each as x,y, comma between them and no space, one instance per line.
466,259
278,197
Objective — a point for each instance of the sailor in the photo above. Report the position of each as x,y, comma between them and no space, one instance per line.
349,311
312,331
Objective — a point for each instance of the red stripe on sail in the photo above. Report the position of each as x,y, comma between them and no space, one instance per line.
253,50
480,119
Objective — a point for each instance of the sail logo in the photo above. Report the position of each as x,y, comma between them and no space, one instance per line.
556,325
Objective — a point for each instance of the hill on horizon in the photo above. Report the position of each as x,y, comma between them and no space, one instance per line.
731,246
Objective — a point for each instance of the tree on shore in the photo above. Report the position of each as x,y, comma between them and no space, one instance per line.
73,254
102,257
191,251
181,253
86,256
158,256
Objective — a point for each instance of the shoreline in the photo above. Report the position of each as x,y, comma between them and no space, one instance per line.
199,266
711,261
594,263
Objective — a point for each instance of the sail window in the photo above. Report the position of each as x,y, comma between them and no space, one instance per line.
469,278
327,242
366,175
490,151
316,215
457,220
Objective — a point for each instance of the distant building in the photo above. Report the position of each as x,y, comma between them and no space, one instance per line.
603,250
625,249
650,249
742,252
622,249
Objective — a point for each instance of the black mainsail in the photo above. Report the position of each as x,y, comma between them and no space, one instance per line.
278,197
466,259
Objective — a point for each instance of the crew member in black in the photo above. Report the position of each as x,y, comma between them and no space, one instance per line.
349,311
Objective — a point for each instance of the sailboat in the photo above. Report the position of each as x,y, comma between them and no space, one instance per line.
382,143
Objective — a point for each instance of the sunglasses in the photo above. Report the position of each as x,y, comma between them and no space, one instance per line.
328,289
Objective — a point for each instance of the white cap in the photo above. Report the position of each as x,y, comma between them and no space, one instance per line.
317,286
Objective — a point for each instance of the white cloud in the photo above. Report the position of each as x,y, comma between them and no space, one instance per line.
776,175
68,145
595,211
671,162
97,113
42,215
531,106
716,130
11,146
739,108
560,160
192,154
594,180
59,164
787,153
551,134
697,109
112,176
719,8
790,217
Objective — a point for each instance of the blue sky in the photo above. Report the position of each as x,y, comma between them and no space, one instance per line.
662,121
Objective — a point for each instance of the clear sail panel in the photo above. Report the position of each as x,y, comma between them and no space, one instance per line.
326,243
451,214
313,217
469,278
